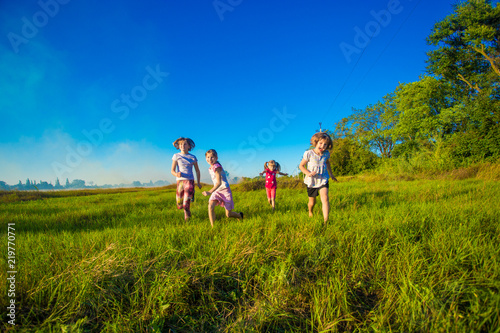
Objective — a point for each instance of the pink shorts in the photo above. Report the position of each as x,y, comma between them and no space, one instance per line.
271,193
224,198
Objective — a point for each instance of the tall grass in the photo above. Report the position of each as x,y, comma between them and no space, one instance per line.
418,256
424,166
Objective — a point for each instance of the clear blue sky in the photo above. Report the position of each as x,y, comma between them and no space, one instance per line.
99,90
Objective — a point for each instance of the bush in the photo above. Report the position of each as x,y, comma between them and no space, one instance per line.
474,146
348,157
260,184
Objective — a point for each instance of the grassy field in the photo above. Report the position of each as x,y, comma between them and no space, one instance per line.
396,256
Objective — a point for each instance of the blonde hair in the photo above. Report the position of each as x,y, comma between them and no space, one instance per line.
278,166
322,136
188,140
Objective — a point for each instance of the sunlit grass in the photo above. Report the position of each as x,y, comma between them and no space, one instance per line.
394,256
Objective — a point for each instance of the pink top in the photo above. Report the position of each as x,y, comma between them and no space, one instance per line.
223,194
223,179
271,179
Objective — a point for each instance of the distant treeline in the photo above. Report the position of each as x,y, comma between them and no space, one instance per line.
448,119
31,185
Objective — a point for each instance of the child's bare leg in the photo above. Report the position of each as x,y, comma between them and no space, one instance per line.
325,203
179,195
230,213
310,205
187,209
272,197
211,211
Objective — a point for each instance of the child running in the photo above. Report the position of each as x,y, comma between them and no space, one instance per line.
182,170
318,171
272,168
221,193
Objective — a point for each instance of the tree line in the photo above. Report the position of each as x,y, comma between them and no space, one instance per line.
32,185
448,118
42,185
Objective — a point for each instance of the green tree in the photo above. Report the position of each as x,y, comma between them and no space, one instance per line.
348,157
468,46
480,137
343,129
426,110
468,58
372,127
77,183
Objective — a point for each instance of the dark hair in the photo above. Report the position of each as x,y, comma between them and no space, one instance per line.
188,140
211,151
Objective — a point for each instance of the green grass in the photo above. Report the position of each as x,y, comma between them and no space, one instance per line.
395,256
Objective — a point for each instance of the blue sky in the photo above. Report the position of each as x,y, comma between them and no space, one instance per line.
99,90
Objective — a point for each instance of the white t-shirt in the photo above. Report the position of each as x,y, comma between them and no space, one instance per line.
185,165
316,163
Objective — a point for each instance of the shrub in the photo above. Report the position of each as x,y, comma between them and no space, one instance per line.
348,157
260,184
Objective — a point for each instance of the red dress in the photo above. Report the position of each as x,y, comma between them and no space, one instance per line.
271,178
271,183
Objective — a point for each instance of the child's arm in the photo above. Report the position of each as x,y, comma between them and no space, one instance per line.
283,174
217,183
263,172
302,167
197,169
174,168
329,168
